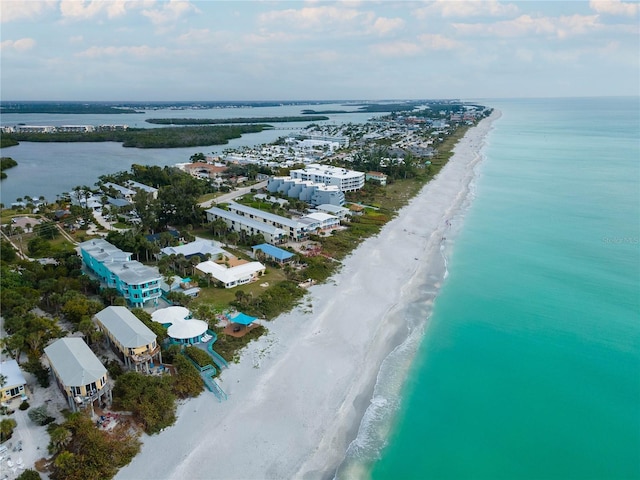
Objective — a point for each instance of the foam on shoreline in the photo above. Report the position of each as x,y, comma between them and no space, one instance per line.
300,392
379,418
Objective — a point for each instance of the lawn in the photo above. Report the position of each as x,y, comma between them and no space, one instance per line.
214,295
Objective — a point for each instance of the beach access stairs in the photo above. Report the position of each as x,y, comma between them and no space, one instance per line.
217,358
208,372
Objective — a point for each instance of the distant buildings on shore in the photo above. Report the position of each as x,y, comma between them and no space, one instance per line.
62,128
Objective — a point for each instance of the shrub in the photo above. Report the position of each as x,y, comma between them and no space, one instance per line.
114,368
201,357
40,371
40,415
170,353
188,382
29,475
148,397
6,428
24,405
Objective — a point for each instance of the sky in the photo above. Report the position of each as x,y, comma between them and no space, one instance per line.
146,50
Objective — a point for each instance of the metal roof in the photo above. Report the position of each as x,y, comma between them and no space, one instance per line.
272,251
74,362
125,327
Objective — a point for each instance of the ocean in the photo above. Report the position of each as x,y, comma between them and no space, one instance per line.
529,365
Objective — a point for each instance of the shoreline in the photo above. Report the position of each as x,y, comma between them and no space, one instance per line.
300,392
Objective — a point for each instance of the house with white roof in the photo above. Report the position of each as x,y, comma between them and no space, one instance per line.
132,340
121,192
202,248
181,326
335,210
79,374
320,220
231,277
145,188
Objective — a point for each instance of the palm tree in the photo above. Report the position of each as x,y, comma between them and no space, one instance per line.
60,438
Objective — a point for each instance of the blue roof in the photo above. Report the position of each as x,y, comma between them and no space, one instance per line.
243,319
272,251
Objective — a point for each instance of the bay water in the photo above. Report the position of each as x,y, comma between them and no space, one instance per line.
529,366
50,169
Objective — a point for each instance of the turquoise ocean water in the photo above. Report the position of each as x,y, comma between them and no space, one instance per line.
530,363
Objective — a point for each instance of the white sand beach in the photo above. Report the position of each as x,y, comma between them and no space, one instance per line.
298,394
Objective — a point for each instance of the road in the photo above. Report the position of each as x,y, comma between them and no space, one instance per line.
227,197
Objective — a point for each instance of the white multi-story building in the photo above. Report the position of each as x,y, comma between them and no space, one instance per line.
345,180
307,191
293,229
240,223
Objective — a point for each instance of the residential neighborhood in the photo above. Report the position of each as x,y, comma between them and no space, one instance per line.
160,276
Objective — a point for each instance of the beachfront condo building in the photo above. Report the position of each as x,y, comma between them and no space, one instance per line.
79,374
239,223
129,338
346,180
311,192
294,229
137,283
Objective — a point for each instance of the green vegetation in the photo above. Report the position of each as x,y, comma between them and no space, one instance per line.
322,112
229,347
82,451
40,415
29,474
6,141
222,121
188,382
6,428
389,107
72,108
169,137
5,164
149,398
199,356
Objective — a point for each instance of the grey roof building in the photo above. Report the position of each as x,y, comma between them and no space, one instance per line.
131,339
78,372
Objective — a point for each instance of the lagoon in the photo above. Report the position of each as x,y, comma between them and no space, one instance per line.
49,169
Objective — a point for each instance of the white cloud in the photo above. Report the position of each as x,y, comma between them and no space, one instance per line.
526,25
615,7
21,45
383,26
141,51
468,8
169,12
313,17
81,10
76,39
19,10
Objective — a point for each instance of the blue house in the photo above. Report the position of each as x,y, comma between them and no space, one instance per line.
136,282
